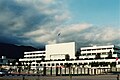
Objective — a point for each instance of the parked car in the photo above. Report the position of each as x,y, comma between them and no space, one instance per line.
2,73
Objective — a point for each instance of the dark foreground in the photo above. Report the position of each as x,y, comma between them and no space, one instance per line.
87,77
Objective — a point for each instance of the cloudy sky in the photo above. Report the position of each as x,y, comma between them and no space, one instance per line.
38,22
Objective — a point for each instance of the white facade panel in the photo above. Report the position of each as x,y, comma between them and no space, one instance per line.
97,51
58,51
97,47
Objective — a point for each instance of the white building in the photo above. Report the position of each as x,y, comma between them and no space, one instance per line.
102,52
33,58
55,55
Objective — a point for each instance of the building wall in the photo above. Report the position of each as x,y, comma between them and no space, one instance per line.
91,52
58,51
33,56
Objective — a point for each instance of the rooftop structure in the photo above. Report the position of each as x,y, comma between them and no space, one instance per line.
59,51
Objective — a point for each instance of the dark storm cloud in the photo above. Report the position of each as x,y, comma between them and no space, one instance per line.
17,18
38,22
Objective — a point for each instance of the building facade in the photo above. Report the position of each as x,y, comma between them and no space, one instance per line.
33,58
102,52
63,54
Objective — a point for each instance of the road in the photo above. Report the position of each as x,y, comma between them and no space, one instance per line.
87,77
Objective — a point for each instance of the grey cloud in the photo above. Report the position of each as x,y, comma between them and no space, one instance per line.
37,22
18,17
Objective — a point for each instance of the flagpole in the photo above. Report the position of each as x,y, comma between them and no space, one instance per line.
58,37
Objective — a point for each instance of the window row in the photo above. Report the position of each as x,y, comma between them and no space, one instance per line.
36,57
34,53
96,49
97,53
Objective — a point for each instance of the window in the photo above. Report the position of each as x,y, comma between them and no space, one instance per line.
75,63
89,54
103,48
88,49
93,49
83,50
48,64
36,64
40,64
57,64
83,54
93,53
61,63
98,49
103,53
52,64
109,48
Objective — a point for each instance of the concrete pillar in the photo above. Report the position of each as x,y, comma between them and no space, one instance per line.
65,70
60,71
51,71
95,71
73,70
77,70
81,70
84,70
88,71
44,70
69,70
100,70
56,71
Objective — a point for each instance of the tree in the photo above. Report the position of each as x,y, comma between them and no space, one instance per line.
110,54
19,67
29,66
67,57
77,54
98,56
43,58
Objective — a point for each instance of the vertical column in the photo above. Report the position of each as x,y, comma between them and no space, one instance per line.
88,71
77,70
44,70
69,70
116,69
73,70
65,69
95,71
56,71
81,70
51,71
84,70
60,71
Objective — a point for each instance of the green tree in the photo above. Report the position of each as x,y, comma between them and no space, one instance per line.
110,54
98,56
67,57
77,54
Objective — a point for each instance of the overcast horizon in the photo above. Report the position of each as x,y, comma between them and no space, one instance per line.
40,22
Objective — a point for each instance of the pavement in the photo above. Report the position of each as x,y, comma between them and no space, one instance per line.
83,77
